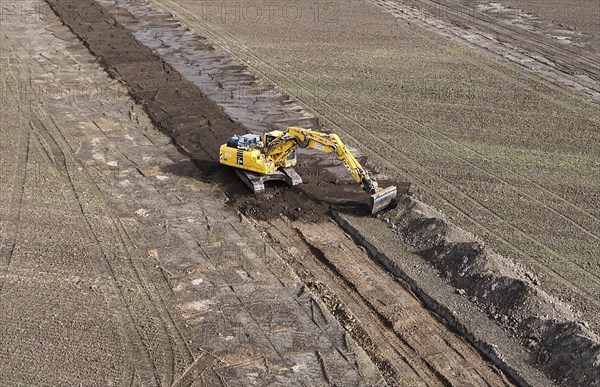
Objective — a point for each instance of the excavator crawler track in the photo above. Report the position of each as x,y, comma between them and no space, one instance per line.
256,181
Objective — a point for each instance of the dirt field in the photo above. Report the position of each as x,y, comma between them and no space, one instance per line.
114,272
123,261
581,15
129,256
500,148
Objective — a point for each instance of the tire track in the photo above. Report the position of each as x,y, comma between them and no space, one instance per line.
156,299
363,307
133,312
10,228
568,57
116,298
171,337
388,351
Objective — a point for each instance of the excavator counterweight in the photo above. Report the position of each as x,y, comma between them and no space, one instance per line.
272,157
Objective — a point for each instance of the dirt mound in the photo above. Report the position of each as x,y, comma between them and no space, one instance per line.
561,345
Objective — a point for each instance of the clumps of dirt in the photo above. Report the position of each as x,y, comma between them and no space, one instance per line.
562,346
279,201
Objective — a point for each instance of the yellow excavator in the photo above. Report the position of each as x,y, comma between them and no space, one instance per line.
273,157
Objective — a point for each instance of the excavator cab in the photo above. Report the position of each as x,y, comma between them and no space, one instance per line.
270,136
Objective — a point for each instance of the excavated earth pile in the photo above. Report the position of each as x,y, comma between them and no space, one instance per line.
562,345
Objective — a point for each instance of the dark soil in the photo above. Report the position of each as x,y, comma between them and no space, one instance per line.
175,105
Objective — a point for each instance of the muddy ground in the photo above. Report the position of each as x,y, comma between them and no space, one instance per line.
123,262
489,132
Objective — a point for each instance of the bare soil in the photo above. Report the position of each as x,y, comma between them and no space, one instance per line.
122,262
487,142
114,272
199,295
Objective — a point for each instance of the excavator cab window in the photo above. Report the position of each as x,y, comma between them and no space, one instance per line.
233,142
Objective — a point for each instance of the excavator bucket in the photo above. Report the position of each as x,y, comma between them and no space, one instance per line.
381,199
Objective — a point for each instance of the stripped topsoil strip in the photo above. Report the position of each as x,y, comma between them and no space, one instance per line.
197,125
564,348
175,105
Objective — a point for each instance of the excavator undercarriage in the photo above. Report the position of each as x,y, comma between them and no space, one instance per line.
256,181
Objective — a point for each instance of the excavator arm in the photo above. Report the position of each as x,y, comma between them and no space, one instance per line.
293,138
